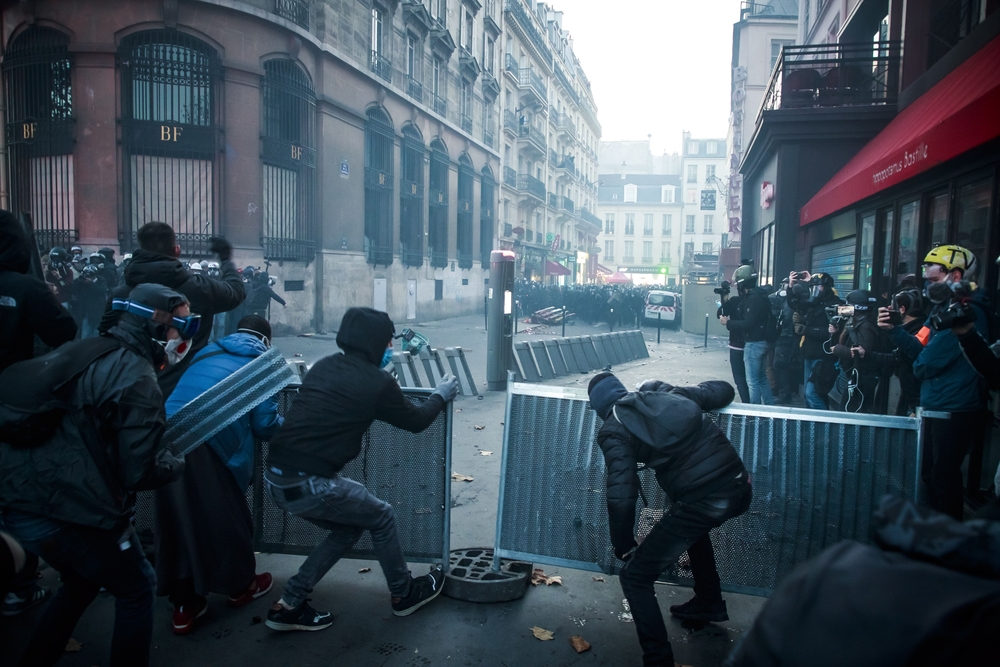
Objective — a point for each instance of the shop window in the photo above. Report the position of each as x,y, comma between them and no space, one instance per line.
886,283
437,237
973,221
378,187
866,252
463,236
411,198
938,222
487,215
170,136
289,162
38,99
908,263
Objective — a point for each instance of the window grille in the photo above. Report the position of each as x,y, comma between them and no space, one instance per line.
411,198
38,98
466,178
487,215
170,137
378,187
296,11
289,156
437,243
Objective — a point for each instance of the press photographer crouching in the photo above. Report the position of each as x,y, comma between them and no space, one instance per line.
949,381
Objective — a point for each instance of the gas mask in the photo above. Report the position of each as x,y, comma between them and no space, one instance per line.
175,349
386,358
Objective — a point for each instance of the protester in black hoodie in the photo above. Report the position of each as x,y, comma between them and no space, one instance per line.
339,399
156,261
665,428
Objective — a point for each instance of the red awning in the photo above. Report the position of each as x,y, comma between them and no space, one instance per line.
555,269
619,278
959,113
603,269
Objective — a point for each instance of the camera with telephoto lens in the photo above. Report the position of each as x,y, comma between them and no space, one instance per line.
958,313
839,314
724,289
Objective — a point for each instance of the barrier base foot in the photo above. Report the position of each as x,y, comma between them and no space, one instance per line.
471,577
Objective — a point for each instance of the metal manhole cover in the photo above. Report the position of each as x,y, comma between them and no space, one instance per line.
471,577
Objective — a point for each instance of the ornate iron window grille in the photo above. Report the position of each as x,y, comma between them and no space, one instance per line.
379,144
466,180
296,11
38,98
411,199
487,216
437,243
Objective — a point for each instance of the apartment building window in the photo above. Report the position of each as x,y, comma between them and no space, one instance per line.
689,225
647,224
379,148
411,198
629,256
667,194
709,172
466,181
706,248
691,196
688,250
380,63
693,147
487,215
489,55
467,28
609,223
439,9
668,224
437,227
629,224
692,173
665,251
647,252
776,46
466,100
609,250
711,148
631,193
709,219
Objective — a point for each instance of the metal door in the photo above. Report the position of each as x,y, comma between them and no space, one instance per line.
379,300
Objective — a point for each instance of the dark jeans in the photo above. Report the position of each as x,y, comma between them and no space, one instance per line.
347,509
948,441
87,560
683,528
739,374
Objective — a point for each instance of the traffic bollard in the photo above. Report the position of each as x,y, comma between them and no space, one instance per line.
564,322
706,331
611,321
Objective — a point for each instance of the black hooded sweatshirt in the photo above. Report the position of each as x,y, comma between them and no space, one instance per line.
341,396
27,305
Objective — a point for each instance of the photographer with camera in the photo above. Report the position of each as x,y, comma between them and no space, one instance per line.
859,338
787,362
752,318
907,312
729,308
813,324
949,382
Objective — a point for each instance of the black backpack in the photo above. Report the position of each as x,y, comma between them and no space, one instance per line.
36,394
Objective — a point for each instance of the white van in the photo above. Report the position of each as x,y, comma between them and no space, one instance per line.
663,307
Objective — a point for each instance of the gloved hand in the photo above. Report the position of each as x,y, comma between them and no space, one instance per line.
221,247
623,554
447,388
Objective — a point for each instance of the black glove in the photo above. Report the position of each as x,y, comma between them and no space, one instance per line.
221,247
626,554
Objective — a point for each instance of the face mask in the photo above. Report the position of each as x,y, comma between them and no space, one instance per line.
176,349
386,358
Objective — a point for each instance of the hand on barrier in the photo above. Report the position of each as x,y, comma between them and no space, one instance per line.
221,247
447,388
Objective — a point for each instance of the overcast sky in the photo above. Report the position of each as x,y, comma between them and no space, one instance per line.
656,66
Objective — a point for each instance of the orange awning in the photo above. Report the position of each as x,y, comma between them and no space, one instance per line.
556,269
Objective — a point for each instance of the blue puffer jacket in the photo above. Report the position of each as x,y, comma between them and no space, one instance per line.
949,382
235,443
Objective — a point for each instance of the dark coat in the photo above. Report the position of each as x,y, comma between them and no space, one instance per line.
730,309
27,305
665,428
817,326
207,297
752,315
341,396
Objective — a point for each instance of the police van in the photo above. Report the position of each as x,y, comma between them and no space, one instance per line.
663,307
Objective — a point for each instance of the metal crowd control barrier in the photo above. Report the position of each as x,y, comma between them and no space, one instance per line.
436,363
410,471
539,360
817,477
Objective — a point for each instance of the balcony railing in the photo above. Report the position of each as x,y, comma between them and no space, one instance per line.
564,204
748,9
381,65
587,216
296,11
467,122
414,89
510,64
565,124
533,136
523,18
529,79
440,105
628,259
531,185
489,135
834,75
510,121
509,177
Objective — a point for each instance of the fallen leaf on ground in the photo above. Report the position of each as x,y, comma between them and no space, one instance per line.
485,453
538,576
478,427
579,644
455,477
542,633
553,580
364,569
598,578
72,646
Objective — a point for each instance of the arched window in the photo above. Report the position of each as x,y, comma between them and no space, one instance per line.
378,187
170,136
466,179
437,237
487,215
289,161
411,198
38,99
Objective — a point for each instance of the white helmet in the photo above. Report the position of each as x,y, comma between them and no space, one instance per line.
195,266
213,265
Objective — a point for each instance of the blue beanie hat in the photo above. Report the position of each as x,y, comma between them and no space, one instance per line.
605,390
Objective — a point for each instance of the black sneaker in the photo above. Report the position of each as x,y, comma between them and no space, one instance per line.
15,604
422,590
302,617
696,610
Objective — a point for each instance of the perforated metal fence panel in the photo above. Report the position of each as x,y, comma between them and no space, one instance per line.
817,477
410,471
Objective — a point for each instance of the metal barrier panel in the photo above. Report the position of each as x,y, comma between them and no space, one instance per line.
569,357
526,361
607,340
577,349
542,360
410,471
623,352
556,356
603,353
590,352
433,367
817,477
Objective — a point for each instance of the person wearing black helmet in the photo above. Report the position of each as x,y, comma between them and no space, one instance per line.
814,327
68,476
754,314
60,275
857,338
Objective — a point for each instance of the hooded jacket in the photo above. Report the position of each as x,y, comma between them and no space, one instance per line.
207,297
665,428
27,305
107,446
341,396
752,315
234,445
817,326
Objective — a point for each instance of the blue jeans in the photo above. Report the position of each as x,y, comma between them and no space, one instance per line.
814,400
347,509
755,357
87,560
